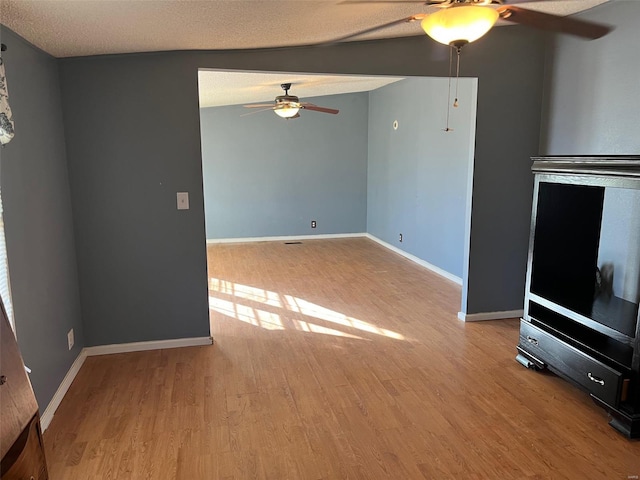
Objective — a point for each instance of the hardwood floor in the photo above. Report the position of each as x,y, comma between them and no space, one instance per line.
333,359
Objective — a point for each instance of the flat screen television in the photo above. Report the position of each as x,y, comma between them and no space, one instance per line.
586,254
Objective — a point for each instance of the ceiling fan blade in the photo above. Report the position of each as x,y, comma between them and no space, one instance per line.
315,108
412,18
553,23
256,111
259,105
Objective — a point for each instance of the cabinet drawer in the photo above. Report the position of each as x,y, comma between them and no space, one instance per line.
601,380
30,463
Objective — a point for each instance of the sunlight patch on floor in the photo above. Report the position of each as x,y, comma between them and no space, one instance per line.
269,320
313,328
274,321
246,292
252,316
312,310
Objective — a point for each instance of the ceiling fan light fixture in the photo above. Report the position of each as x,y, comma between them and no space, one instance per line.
459,24
287,111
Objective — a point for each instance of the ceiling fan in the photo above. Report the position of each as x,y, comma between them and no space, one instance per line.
459,22
288,106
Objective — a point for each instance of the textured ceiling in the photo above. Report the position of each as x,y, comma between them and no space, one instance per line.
234,88
66,28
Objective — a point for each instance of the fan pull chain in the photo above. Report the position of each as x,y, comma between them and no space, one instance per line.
447,129
455,102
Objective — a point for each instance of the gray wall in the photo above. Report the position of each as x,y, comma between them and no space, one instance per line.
592,100
133,141
38,219
418,174
265,176
507,135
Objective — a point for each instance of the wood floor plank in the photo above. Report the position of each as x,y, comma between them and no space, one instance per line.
333,359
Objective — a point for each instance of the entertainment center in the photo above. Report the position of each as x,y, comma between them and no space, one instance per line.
583,280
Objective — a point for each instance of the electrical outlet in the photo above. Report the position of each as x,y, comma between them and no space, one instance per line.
313,224
70,339
400,238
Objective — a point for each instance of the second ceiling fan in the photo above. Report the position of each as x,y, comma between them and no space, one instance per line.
289,106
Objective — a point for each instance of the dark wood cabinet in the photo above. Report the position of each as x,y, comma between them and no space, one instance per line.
583,280
21,447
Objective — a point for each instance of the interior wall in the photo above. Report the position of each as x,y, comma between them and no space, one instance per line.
510,80
591,97
38,219
265,176
133,142
132,131
418,174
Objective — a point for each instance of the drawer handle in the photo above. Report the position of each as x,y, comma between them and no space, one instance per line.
595,379
532,340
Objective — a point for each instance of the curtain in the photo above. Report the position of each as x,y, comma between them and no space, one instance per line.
5,287
6,117
6,134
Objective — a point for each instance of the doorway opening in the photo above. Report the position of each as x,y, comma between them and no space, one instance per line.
384,167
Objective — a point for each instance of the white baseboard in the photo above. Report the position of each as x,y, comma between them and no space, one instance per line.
478,317
288,238
142,346
47,416
419,261
50,411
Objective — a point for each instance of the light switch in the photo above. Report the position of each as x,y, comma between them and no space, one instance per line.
183,200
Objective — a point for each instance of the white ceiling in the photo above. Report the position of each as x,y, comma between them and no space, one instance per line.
219,88
66,28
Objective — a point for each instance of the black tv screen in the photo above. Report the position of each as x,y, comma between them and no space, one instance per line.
586,240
